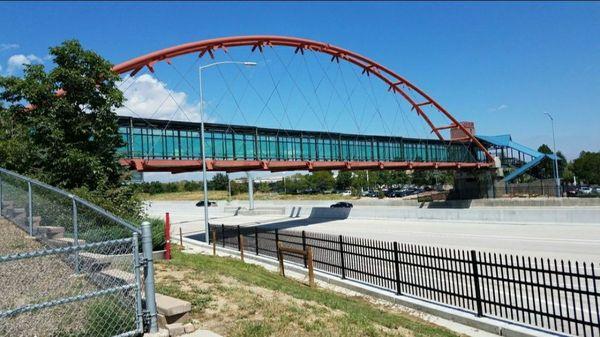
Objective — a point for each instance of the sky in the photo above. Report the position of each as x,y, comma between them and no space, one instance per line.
501,65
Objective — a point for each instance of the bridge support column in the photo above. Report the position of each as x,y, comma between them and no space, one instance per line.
250,191
473,185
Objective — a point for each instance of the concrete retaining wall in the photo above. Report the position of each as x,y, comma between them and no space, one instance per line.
486,210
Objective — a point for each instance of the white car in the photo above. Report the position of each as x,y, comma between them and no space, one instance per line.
347,193
585,190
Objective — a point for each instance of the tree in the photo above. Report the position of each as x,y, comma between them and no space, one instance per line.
68,140
545,170
343,181
59,126
219,182
421,178
264,187
359,180
321,181
587,167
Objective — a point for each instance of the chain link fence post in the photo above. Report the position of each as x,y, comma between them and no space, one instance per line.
139,321
75,234
30,208
149,275
1,195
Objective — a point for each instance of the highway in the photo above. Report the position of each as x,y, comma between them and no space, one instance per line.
576,242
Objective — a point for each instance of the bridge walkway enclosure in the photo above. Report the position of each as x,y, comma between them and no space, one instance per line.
174,146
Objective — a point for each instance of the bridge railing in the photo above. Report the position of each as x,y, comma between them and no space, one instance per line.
560,296
68,267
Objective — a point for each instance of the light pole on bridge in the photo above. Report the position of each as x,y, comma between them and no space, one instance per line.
203,147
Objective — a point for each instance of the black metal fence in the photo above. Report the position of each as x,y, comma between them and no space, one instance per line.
556,295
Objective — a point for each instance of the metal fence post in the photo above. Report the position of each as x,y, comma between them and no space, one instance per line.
476,282
149,275
239,235
397,267
256,239
30,208
1,195
138,282
342,257
304,247
75,233
223,234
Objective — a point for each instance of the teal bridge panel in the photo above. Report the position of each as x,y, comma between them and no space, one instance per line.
174,140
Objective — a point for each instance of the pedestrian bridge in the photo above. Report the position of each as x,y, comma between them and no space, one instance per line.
171,146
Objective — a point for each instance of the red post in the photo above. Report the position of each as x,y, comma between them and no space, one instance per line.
167,237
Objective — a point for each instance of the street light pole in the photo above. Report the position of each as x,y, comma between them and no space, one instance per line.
556,177
202,145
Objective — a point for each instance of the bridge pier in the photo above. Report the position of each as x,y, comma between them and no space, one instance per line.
473,185
250,191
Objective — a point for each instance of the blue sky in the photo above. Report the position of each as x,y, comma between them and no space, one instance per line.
498,64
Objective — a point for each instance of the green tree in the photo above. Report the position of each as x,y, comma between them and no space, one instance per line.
219,182
58,125
359,180
587,167
68,140
545,170
321,181
343,180
264,187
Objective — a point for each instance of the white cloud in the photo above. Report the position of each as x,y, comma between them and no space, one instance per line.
8,46
17,62
498,108
151,98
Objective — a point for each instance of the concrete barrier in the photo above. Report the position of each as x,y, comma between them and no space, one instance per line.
330,213
548,210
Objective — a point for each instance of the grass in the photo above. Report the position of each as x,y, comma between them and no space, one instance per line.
222,195
237,299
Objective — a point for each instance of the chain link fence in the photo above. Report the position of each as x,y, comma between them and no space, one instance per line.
68,267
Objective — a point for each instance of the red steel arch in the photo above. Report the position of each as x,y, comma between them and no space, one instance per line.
396,83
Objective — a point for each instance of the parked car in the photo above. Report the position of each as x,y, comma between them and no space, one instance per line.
571,191
341,204
397,193
210,203
370,193
585,190
347,193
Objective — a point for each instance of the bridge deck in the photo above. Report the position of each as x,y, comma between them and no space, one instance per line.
159,145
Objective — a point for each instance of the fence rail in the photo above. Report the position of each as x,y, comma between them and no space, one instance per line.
68,267
561,296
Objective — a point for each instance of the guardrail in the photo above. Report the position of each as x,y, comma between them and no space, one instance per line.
69,267
560,296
